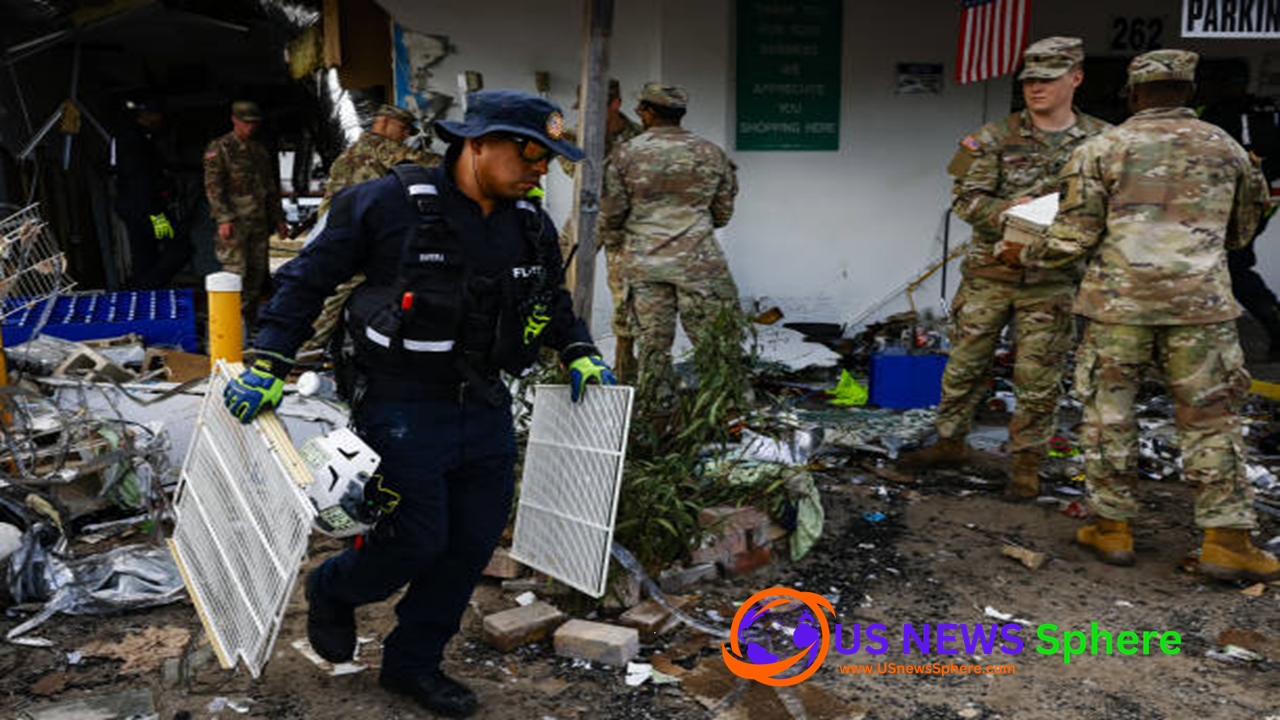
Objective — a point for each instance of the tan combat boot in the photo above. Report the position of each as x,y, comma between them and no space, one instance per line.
1110,540
1228,554
947,452
1025,481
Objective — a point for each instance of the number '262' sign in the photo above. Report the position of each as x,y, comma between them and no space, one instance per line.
1137,34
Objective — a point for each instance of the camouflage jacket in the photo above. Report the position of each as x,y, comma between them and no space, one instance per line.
240,180
1006,160
371,157
612,140
665,192
1153,205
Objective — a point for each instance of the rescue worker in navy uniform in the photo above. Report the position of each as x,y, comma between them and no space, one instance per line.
464,280
158,247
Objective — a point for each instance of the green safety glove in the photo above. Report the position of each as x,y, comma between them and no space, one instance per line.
160,223
587,369
259,387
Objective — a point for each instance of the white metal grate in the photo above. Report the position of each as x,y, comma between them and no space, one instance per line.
243,520
569,490
32,268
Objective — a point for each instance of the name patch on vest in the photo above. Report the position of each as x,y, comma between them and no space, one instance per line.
532,271
431,257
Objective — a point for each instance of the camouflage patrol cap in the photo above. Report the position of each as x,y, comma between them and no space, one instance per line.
246,110
672,96
1163,65
397,113
1051,58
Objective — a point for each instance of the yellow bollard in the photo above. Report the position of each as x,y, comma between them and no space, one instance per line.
226,331
1271,391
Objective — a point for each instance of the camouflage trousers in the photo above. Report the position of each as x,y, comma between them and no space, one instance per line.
1043,323
622,366
654,302
245,253
1203,368
327,322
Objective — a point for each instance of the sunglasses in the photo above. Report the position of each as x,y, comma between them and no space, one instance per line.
530,150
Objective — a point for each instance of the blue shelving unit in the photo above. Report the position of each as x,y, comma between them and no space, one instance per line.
164,318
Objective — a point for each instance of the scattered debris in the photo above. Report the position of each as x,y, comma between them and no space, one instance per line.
877,430
1251,640
638,674
1254,591
1234,654
50,684
142,652
849,391
1075,510
648,617
791,446
346,668
1032,559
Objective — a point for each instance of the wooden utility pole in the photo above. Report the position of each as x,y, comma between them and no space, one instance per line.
597,28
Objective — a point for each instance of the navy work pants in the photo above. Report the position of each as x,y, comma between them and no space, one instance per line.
452,464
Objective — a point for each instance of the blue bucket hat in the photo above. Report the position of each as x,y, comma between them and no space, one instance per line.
512,111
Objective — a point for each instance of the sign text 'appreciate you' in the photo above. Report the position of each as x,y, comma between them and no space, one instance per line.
788,68
1240,19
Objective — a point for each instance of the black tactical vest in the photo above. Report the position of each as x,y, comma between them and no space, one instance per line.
437,307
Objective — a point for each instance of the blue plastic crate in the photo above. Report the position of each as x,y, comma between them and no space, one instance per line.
906,381
164,318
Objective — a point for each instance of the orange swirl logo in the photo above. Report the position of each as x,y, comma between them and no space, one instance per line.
757,663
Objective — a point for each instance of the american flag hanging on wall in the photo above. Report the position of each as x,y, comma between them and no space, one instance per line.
992,36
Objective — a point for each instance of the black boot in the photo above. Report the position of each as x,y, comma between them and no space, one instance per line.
434,691
331,626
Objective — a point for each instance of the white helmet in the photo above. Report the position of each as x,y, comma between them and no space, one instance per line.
347,495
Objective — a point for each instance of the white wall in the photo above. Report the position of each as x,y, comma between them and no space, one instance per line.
821,234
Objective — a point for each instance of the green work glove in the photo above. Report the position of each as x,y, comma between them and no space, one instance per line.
587,369
259,387
160,223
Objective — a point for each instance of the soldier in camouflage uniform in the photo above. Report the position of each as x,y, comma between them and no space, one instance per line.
1154,205
1008,162
618,129
370,157
664,194
241,182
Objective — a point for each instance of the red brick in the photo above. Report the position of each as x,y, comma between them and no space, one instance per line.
748,561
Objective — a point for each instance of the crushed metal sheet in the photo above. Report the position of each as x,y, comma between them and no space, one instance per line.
126,578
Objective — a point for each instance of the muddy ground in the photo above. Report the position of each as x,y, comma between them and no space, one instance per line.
935,557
